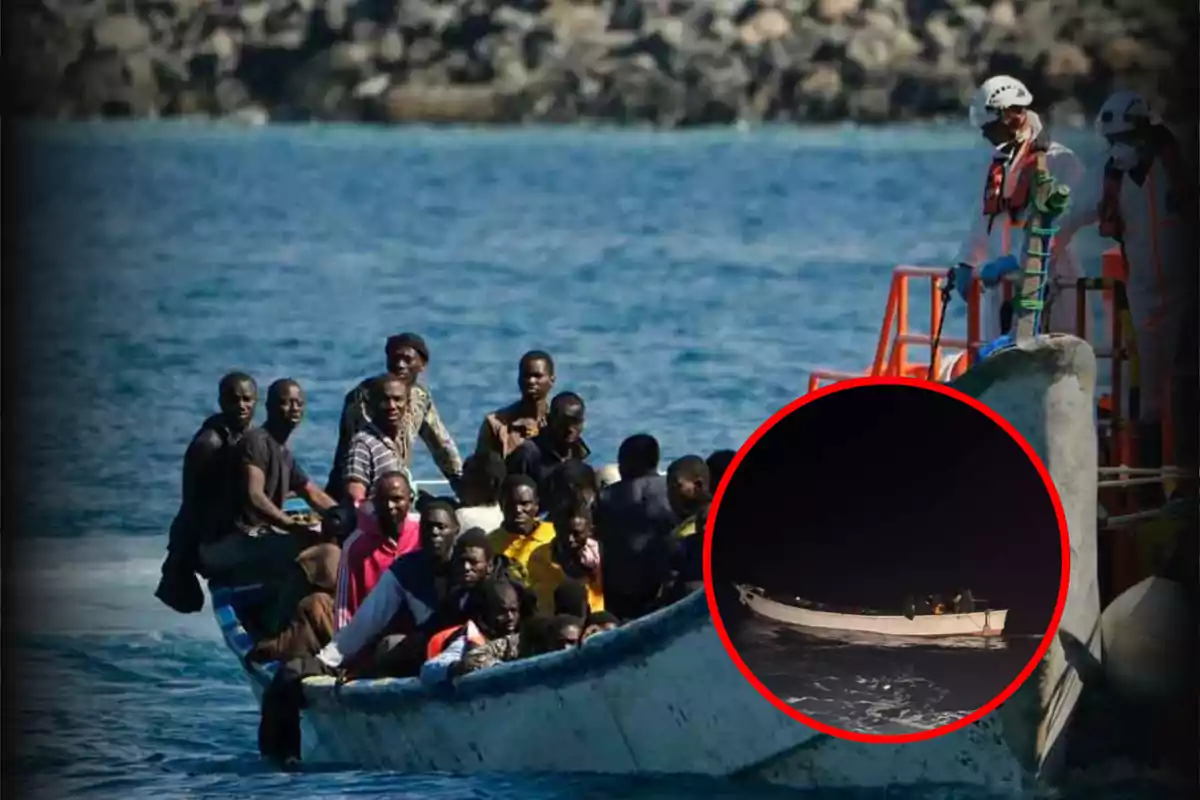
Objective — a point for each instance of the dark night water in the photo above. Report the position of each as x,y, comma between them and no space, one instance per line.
686,283
869,684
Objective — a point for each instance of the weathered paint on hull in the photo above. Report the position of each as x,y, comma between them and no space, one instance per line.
980,623
627,703
660,695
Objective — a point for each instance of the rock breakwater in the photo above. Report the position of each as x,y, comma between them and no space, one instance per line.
663,62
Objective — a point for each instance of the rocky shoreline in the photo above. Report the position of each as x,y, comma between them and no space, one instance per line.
668,63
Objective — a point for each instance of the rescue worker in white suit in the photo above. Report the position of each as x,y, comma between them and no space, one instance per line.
1144,200
996,243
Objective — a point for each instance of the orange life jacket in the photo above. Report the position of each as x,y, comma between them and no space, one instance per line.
442,639
995,202
1110,223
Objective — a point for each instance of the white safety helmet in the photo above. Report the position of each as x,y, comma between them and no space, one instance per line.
1122,112
994,95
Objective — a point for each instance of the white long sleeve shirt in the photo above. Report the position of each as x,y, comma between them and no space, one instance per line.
388,598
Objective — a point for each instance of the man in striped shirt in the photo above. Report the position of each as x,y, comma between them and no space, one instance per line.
375,450
407,357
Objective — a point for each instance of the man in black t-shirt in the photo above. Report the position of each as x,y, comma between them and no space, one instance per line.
209,492
264,540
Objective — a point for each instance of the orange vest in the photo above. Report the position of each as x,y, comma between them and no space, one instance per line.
442,639
995,201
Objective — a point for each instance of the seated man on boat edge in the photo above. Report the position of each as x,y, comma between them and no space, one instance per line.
506,429
209,500
407,357
302,621
265,540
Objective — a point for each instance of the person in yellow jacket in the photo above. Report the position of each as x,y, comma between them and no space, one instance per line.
523,541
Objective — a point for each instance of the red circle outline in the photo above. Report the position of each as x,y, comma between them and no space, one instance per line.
1047,637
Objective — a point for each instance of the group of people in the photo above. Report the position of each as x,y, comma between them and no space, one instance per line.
532,550
1143,199
961,601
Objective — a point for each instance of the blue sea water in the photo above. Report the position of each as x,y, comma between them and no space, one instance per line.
685,282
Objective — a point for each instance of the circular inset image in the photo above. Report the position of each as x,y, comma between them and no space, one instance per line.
887,560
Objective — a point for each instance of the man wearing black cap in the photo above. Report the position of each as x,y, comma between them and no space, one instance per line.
407,357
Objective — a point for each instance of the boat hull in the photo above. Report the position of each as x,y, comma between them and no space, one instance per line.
661,695
980,623
657,696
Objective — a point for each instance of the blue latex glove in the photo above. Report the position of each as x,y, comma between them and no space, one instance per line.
962,275
996,344
991,272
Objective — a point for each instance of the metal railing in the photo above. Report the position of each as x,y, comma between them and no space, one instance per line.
896,337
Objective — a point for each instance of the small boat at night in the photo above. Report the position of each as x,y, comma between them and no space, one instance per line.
989,622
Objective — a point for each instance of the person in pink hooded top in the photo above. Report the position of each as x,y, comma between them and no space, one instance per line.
384,533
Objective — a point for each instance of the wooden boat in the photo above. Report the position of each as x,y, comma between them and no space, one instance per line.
980,623
661,695
656,696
